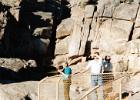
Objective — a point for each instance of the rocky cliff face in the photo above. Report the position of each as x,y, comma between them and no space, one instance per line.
35,34
29,30
110,25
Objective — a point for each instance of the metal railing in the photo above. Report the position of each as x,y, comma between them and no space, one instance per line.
44,81
57,88
119,79
79,79
38,87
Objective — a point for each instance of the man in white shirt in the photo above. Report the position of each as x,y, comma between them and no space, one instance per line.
95,65
96,69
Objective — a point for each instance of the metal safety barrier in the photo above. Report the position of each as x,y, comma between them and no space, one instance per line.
108,84
80,79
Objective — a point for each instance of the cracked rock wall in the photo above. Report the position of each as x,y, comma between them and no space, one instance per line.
110,25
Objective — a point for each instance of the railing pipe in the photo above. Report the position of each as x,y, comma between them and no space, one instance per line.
57,89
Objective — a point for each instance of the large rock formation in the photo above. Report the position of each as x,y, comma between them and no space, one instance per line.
30,34
27,32
107,25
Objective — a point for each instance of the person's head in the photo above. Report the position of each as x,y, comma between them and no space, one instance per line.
107,58
60,67
96,55
65,64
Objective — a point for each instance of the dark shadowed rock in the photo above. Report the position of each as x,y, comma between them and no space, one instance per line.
15,13
40,46
43,32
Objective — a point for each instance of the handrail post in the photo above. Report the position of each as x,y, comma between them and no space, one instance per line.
120,92
57,89
38,87
38,90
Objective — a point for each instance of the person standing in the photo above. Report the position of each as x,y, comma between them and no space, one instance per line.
66,72
96,68
107,64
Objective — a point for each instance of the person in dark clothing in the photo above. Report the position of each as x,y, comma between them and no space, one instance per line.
107,64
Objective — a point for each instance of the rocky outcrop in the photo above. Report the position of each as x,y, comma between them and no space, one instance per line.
62,46
123,11
15,69
16,64
11,3
21,33
13,64
43,32
30,37
27,32
133,86
107,25
65,28
19,91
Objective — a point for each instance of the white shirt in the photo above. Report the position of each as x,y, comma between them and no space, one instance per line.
95,66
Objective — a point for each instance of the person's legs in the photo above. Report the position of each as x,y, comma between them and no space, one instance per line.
100,89
94,83
66,89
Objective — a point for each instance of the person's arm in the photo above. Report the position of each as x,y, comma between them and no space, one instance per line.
75,73
60,71
87,68
83,71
